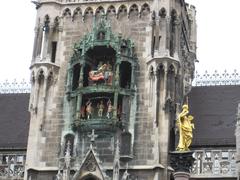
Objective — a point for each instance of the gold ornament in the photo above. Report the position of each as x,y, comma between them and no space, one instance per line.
185,126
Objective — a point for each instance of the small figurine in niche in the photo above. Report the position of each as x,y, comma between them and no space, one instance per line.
119,112
99,74
100,108
102,68
109,109
89,109
101,35
109,66
82,112
99,65
108,74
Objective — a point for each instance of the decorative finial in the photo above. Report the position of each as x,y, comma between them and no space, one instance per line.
59,175
125,174
92,137
116,161
67,157
37,4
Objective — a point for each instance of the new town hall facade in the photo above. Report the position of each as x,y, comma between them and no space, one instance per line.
108,78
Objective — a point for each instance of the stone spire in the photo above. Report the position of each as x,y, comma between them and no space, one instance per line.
67,160
116,163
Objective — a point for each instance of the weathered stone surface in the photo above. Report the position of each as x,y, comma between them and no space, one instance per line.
149,124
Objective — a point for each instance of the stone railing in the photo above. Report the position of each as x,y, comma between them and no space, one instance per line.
12,166
14,87
216,78
214,163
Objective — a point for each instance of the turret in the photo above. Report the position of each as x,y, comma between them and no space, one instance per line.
192,27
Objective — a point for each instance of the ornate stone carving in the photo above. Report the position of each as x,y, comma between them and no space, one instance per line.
217,79
182,161
162,13
214,163
90,163
15,86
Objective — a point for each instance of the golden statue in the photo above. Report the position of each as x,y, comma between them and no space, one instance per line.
185,126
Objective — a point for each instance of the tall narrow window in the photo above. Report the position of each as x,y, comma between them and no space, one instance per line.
151,87
153,45
54,50
159,40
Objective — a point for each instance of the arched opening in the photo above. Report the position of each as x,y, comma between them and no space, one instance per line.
97,106
151,85
122,11
77,13
133,12
100,62
90,177
111,12
88,14
160,86
67,12
171,104
162,13
76,75
171,82
68,143
41,77
125,75
99,11
103,82
145,10
87,69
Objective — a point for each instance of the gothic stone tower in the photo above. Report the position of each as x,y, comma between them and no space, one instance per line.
108,78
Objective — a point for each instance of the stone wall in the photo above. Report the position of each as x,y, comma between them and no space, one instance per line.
47,125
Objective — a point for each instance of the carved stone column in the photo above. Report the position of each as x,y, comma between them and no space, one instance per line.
45,40
82,66
39,41
181,162
132,76
69,78
35,44
163,23
116,78
181,176
49,43
78,106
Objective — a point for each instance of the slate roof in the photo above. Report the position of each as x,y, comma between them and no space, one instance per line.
14,121
214,109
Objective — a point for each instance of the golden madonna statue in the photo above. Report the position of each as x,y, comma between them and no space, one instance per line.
185,126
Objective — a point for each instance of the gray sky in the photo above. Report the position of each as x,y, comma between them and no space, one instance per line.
16,39
218,36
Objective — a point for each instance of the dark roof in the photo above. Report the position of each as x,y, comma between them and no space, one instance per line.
214,109
14,121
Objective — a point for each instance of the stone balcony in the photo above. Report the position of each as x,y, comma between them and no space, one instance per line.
102,124
214,164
